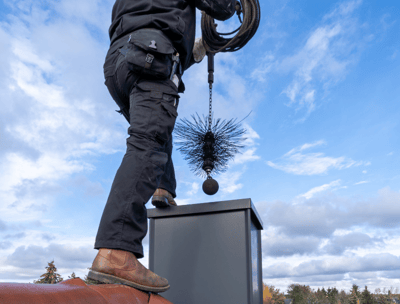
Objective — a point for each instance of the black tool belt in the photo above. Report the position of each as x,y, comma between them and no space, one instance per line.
149,53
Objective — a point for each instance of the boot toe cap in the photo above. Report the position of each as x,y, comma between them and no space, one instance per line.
163,282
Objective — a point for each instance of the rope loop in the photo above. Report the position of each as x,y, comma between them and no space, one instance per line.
213,40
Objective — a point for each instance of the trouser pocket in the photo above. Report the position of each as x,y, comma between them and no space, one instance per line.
153,111
148,52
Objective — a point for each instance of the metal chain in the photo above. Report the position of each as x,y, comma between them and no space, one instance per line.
210,109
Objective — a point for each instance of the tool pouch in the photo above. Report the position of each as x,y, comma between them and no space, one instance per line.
148,53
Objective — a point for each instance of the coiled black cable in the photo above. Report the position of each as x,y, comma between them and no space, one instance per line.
215,43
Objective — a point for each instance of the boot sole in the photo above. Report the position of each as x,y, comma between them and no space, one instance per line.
110,279
160,202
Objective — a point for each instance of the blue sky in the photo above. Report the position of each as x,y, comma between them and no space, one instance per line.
322,156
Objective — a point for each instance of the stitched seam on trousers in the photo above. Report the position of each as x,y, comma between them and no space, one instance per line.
119,237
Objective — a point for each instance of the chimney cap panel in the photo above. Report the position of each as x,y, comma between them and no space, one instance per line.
209,253
214,207
195,254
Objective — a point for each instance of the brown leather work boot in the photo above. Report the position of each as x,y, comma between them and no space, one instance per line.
162,198
122,267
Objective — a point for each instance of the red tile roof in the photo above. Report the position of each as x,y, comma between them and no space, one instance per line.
76,291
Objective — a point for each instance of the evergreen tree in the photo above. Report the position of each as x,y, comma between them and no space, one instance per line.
343,297
333,296
73,276
354,297
312,299
366,297
322,297
299,294
357,292
51,276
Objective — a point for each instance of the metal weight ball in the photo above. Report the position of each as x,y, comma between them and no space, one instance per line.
210,186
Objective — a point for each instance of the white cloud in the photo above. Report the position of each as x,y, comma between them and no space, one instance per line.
299,163
370,262
267,65
309,194
27,262
57,114
306,146
361,182
228,181
321,61
316,57
248,155
251,136
194,189
310,218
250,143
344,9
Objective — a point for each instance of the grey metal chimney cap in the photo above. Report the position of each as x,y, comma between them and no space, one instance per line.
220,206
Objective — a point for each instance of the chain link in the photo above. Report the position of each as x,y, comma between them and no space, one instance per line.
210,109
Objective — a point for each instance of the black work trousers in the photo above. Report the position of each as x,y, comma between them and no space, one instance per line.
147,164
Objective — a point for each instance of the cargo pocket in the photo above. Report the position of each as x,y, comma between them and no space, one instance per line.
163,99
150,54
167,117
141,111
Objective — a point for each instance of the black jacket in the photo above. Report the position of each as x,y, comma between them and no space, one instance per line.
175,18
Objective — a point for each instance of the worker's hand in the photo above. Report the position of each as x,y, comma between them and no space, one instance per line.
198,50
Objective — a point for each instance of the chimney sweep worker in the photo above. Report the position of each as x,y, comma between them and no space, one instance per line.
152,44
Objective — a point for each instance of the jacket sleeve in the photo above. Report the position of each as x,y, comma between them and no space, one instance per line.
217,9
